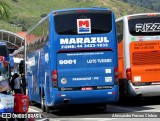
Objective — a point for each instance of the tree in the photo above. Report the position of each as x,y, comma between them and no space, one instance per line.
4,10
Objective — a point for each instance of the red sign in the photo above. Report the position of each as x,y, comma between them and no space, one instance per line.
86,88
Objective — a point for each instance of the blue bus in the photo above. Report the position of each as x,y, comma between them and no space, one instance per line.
71,58
6,63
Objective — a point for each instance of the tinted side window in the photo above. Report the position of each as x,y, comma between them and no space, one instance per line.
119,26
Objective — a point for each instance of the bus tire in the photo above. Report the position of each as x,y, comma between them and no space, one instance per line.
122,88
31,103
47,108
42,101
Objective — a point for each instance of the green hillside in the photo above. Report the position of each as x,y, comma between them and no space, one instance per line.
26,13
150,4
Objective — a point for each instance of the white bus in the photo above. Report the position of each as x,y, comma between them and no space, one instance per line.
139,54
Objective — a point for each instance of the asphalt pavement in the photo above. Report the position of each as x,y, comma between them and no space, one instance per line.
141,110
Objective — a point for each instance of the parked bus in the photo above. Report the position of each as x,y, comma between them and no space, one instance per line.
6,63
139,54
4,59
71,58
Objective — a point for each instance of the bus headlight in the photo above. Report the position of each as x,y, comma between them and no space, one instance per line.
63,80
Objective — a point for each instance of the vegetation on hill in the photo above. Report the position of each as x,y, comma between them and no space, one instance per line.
4,10
150,4
26,13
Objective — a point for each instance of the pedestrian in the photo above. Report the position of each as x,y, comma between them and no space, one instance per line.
15,75
17,84
23,84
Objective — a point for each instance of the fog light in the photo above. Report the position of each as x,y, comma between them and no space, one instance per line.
63,80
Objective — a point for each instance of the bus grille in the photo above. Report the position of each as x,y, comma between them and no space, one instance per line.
146,58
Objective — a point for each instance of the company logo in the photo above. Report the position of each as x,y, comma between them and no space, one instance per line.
148,27
89,40
83,26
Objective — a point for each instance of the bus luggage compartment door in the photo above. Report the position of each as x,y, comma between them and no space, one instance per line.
85,69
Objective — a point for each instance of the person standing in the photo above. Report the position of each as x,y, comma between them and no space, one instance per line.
12,81
23,85
17,84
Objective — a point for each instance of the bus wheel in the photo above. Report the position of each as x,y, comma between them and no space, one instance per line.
47,108
31,103
42,102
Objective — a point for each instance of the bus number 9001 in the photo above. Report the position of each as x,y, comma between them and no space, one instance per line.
61,62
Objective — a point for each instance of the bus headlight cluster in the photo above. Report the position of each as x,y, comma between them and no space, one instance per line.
63,80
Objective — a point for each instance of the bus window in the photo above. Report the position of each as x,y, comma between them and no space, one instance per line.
66,24
144,26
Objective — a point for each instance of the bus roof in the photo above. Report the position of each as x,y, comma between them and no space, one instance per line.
139,14
93,8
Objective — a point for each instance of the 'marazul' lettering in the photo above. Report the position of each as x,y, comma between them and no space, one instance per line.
64,41
72,41
83,40
86,40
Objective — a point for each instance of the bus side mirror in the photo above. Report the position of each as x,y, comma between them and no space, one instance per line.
11,61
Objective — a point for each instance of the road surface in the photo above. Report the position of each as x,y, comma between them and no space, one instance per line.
141,110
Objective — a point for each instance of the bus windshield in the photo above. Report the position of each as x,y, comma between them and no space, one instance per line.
66,23
144,25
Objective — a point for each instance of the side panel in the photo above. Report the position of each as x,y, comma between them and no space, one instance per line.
32,76
120,34
127,40
37,60
121,60
46,83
